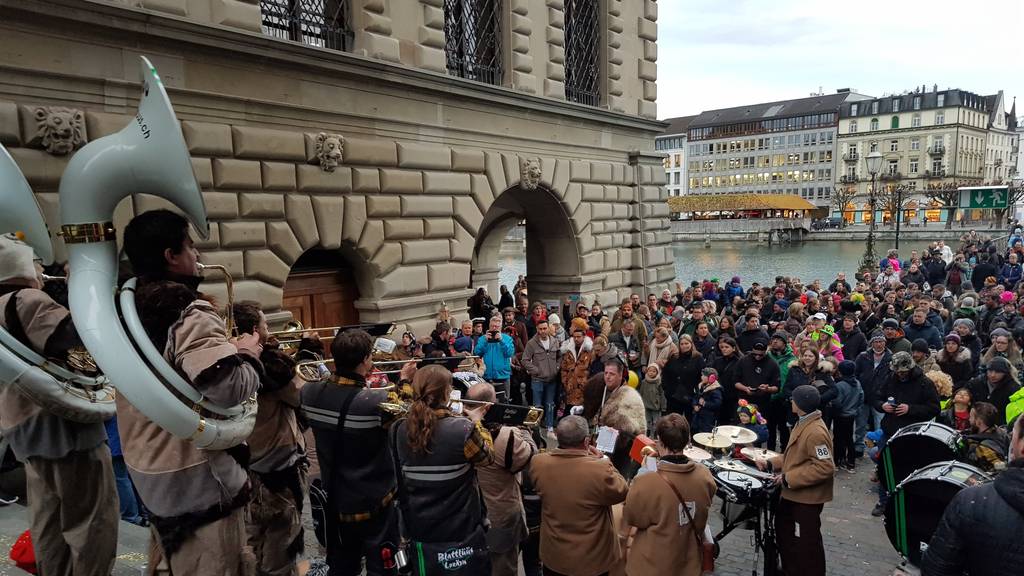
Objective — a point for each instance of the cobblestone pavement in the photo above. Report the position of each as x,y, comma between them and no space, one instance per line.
855,542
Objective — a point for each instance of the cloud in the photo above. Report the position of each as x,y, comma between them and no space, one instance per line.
716,54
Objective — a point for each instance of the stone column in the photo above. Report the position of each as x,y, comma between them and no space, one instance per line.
371,24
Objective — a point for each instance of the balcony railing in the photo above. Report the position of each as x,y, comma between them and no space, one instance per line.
934,173
937,149
890,176
851,157
848,179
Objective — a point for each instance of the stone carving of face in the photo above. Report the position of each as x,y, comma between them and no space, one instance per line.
329,148
60,130
531,174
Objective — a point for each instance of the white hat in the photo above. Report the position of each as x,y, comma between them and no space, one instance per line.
820,316
554,319
16,259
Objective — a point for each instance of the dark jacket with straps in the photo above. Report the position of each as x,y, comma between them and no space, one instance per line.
979,533
682,376
872,377
917,392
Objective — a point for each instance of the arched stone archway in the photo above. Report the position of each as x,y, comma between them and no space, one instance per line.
552,253
322,289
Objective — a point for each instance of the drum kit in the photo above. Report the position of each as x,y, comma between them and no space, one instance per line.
923,473
747,493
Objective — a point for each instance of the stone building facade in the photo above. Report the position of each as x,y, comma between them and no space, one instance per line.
376,153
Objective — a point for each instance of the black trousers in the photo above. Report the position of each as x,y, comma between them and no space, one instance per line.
530,549
778,424
358,540
842,431
798,534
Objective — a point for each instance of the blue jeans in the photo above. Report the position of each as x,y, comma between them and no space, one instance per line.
544,396
125,492
865,415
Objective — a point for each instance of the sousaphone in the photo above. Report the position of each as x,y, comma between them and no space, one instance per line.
70,395
147,156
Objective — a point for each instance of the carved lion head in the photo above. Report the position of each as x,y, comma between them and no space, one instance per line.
59,130
329,149
531,174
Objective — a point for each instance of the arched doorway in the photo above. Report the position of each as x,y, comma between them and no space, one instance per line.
321,290
551,257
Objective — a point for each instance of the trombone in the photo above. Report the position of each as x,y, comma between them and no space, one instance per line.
295,327
310,369
229,317
506,414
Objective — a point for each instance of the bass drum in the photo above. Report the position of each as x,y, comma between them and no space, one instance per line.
916,446
916,506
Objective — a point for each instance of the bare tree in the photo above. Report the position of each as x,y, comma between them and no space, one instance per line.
893,198
948,195
842,196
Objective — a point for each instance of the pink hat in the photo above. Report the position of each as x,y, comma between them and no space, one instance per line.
1006,297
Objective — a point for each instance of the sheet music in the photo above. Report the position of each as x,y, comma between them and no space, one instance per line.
606,437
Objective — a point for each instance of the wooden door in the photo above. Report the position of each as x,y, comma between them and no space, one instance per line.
322,298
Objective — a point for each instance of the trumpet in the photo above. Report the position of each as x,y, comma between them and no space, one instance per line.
309,370
504,414
48,278
229,317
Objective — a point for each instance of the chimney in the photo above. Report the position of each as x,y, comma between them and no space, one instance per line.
935,87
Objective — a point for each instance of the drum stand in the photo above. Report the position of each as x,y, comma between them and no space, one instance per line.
762,517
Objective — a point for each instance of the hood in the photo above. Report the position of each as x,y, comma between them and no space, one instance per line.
712,386
570,347
962,355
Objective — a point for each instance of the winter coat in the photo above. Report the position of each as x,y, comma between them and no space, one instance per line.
1010,275
928,364
918,392
499,486
807,465
575,369
624,411
577,535
728,374
635,345
849,397
871,377
957,365
497,356
539,363
597,362
652,394
747,338
705,417
988,450
753,373
853,343
926,331
973,343
660,546
660,354
980,530
820,379
706,346
998,397
783,361
681,377
914,278
899,344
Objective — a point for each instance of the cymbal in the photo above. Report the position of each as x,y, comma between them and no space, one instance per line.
697,454
737,434
710,440
734,465
754,453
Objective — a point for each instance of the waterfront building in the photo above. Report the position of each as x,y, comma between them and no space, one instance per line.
362,160
672,143
1001,146
784,147
931,141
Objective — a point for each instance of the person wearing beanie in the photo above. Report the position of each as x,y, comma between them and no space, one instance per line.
72,496
556,330
778,410
955,360
853,340
996,386
922,355
733,289
906,398
895,339
707,402
872,370
845,409
964,328
806,473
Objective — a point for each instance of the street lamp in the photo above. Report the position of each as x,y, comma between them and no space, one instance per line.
873,162
899,209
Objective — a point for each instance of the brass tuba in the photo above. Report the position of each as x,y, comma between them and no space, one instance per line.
72,396
149,155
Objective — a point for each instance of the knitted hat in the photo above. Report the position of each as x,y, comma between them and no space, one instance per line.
891,323
781,335
1006,297
578,325
16,259
554,319
901,361
784,304
964,322
952,337
847,368
806,398
735,279
999,364
919,345
967,302
878,336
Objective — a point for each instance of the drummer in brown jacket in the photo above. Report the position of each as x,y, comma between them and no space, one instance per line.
806,475
578,488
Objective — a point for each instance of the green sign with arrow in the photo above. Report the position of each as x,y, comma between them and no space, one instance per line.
981,197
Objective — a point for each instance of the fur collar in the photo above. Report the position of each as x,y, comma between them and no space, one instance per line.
963,355
569,346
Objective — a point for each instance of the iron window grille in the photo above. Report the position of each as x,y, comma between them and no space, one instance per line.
472,48
582,60
322,23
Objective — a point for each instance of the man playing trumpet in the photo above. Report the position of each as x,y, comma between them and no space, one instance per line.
197,497
69,476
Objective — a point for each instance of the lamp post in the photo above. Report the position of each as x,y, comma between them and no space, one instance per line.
873,162
899,210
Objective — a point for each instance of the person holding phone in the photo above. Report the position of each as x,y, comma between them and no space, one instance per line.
497,350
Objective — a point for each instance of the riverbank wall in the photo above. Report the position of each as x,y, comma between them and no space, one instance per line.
853,234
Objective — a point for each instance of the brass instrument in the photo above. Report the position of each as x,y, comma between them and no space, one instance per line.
505,414
309,371
48,278
229,317
295,327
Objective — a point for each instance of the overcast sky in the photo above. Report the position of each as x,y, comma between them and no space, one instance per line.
721,53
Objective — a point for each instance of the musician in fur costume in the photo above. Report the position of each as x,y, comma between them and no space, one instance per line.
624,411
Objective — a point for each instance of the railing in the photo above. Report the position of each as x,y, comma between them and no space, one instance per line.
934,173
582,58
739,225
323,23
848,179
851,157
472,47
937,149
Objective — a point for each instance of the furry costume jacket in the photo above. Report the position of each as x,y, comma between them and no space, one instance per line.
624,411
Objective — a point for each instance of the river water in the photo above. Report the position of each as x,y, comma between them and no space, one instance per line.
751,261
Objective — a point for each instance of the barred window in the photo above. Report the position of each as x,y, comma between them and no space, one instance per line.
582,61
472,49
323,23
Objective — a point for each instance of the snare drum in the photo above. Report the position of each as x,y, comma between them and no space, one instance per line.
916,446
697,454
915,508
